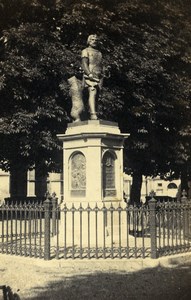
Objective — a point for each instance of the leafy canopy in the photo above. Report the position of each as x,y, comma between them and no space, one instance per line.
146,45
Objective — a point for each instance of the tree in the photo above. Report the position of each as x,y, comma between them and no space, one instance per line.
156,73
147,47
36,63
33,110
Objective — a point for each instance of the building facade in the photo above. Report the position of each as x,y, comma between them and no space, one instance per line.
36,187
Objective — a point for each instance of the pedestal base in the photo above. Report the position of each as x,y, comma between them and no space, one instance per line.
93,162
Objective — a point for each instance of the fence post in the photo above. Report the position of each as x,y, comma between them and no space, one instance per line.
47,209
184,198
54,213
184,201
153,230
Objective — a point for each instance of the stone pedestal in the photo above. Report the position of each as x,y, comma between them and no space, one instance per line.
93,162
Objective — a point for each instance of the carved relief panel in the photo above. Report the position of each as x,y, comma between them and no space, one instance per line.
78,174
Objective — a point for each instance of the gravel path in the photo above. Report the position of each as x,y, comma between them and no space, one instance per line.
98,279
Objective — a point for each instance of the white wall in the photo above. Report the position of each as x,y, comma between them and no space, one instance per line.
4,185
159,186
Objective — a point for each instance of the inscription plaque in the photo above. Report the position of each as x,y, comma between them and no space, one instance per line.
109,175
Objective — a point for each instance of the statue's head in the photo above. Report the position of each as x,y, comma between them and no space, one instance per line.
92,40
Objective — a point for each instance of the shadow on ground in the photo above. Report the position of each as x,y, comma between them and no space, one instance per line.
157,283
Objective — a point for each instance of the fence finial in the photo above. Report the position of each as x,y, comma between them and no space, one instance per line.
53,195
184,195
47,195
152,194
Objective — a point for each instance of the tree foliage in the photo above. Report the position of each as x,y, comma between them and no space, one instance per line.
147,46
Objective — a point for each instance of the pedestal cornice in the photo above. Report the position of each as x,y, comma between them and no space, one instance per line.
92,129
91,135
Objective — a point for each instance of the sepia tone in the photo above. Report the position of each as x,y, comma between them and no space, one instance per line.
91,116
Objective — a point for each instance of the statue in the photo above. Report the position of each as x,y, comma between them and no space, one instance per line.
77,99
93,73
92,80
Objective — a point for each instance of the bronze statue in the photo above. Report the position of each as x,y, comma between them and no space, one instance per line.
77,98
92,80
93,72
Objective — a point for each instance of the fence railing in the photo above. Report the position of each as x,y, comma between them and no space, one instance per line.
103,230
173,227
22,229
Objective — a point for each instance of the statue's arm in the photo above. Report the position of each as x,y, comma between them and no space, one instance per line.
85,65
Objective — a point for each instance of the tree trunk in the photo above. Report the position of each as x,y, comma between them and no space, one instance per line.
184,181
41,183
135,195
18,183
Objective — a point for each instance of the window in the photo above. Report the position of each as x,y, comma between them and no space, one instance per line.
172,185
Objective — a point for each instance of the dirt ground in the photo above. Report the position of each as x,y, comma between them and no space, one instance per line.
36,279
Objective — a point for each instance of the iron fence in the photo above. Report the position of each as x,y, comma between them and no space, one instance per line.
22,229
173,227
105,230
102,231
